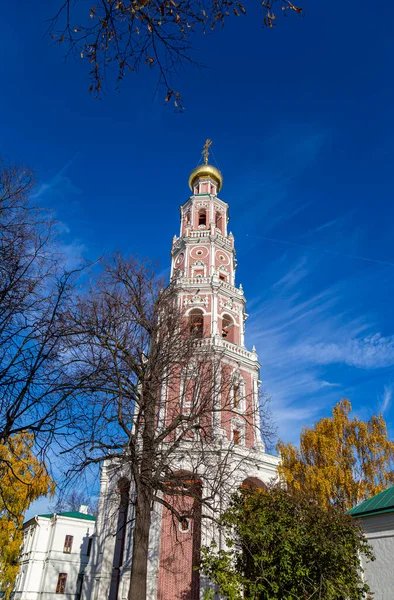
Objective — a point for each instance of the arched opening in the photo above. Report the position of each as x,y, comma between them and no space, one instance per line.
202,218
254,483
228,330
123,490
196,322
218,221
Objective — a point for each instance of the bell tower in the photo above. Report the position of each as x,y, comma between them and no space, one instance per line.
209,467
203,264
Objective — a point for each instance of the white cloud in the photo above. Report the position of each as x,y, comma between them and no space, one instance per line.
60,187
307,338
73,254
325,225
267,184
387,397
369,352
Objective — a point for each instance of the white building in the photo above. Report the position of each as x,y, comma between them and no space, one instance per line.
54,555
376,516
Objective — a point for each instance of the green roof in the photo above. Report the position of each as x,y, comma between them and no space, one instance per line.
74,514
377,505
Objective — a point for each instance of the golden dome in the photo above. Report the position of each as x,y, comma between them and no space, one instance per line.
206,171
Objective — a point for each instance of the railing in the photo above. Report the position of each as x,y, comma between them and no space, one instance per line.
217,342
206,233
184,281
202,233
193,280
232,288
224,239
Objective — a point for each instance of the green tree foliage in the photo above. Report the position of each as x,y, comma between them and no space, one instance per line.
341,460
283,546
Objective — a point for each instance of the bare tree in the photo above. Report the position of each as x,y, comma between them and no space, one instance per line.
72,501
35,291
154,397
128,34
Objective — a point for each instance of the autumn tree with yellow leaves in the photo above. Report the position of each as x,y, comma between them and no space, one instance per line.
341,460
23,479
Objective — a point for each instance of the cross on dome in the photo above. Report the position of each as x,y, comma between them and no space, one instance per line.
206,170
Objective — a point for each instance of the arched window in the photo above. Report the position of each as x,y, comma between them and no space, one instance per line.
202,217
238,433
236,436
236,395
184,524
228,328
196,322
218,221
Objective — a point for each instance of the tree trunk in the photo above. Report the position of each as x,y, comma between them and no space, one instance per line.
139,565
144,499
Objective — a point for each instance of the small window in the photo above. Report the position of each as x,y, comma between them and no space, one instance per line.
218,221
89,548
222,277
228,328
68,544
196,323
184,524
236,436
202,217
236,396
61,583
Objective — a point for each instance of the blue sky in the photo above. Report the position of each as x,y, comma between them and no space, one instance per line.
303,128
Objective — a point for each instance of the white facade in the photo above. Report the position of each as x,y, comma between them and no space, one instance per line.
103,581
54,555
379,574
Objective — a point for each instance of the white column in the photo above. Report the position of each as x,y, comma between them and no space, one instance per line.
211,210
241,326
214,311
186,268
257,424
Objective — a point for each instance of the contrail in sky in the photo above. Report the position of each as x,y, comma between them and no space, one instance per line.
371,260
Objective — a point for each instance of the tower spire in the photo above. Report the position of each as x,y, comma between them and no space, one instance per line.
205,152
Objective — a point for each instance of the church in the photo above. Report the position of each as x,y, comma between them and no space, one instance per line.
203,266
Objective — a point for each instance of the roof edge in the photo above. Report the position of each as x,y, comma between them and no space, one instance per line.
372,513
